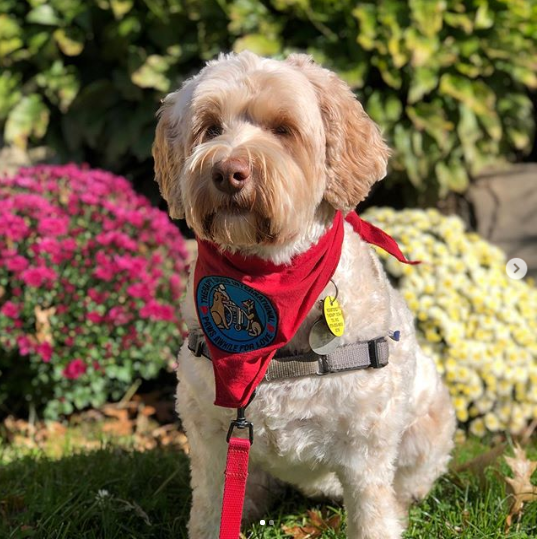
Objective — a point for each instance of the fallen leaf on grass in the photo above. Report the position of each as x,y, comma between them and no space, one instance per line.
43,329
318,523
520,487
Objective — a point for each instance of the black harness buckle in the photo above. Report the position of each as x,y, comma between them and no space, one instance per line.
241,422
373,354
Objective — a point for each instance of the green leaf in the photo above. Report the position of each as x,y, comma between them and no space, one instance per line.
258,43
459,20
423,81
29,117
469,70
354,77
61,84
366,14
390,75
427,15
37,41
43,14
404,152
491,123
431,118
483,17
70,41
152,73
451,177
121,7
9,91
474,94
10,36
423,47
469,133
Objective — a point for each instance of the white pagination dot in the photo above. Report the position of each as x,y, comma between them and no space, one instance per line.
262,522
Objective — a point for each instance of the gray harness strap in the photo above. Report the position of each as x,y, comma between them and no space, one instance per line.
349,357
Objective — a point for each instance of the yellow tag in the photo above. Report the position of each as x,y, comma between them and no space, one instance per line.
333,316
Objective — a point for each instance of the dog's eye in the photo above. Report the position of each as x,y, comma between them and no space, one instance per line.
213,131
281,130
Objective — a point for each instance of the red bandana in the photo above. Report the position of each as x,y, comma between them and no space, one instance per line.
248,308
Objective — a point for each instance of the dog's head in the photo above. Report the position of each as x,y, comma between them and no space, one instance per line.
250,149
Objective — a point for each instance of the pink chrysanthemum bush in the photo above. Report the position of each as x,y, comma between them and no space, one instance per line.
90,280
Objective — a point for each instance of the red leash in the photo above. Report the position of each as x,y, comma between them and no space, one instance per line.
234,487
235,476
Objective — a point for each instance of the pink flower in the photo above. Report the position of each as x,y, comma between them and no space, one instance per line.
96,296
118,316
105,273
13,227
25,345
53,226
37,276
10,310
95,317
140,290
17,263
157,311
75,369
45,351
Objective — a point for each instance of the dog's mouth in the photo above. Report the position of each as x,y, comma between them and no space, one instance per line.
236,224
236,205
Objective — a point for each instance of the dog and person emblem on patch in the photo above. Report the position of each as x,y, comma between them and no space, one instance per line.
235,317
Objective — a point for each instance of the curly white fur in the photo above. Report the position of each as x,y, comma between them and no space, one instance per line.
377,439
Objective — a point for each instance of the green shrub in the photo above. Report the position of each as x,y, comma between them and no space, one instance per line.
90,281
446,79
479,325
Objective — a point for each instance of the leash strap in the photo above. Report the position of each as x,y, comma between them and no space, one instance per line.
234,487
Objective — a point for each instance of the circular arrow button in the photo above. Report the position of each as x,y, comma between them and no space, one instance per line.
516,268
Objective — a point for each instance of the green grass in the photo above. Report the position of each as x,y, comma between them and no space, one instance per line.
118,493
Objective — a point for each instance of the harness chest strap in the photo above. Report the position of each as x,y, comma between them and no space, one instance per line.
349,357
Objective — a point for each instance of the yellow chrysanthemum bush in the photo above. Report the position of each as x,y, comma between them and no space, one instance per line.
479,325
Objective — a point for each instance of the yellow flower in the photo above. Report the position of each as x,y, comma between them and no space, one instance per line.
478,325
492,423
478,428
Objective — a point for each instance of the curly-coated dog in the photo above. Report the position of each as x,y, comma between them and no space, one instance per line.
258,155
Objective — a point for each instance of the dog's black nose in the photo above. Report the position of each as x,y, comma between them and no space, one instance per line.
231,175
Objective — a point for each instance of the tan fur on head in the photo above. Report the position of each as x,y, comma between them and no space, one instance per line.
169,150
303,134
356,154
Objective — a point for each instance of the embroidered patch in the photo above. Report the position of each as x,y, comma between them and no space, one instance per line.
233,316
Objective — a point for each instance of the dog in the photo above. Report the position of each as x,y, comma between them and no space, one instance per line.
258,155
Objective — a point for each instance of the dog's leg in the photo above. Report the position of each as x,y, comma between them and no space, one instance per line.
261,490
208,450
370,502
425,450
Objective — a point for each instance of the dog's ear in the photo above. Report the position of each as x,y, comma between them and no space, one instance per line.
169,154
356,154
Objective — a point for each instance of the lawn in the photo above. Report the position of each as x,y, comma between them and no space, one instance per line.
118,492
